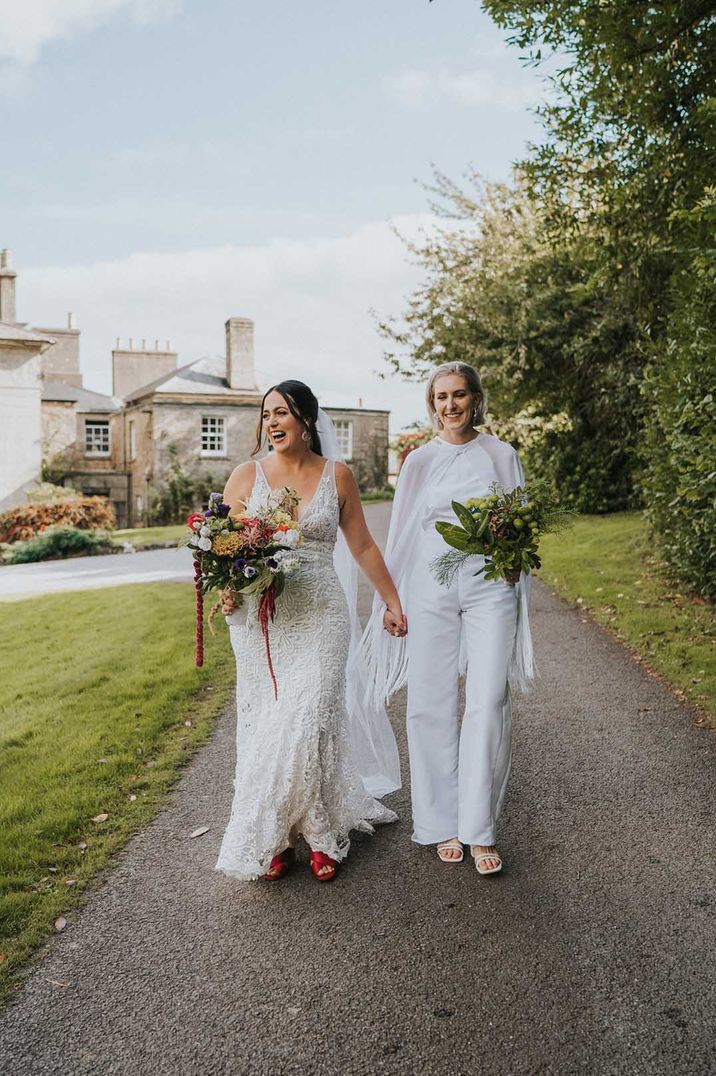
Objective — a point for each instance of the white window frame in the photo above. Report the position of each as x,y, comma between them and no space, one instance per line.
132,437
213,435
344,433
92,441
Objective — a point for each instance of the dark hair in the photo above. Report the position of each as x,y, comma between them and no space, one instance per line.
302,404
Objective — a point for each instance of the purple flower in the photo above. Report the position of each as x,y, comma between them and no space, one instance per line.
208,514
249,571
223,509
239,563
271,563
215,497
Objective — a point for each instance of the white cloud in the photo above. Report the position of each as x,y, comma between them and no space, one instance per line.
27,25
310,301
418,88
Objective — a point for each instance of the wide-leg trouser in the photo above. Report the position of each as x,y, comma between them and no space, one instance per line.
458,776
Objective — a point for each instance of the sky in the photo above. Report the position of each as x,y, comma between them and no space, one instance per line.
168,164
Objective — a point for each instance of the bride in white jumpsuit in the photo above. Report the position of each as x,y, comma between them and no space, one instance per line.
459,774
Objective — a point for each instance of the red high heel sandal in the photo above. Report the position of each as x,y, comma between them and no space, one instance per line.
280,865
320,859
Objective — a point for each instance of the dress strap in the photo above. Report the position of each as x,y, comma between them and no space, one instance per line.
261,474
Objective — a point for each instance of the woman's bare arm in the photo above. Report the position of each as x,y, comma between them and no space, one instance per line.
364,550
238,487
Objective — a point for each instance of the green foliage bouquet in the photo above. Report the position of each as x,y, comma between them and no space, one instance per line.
504,527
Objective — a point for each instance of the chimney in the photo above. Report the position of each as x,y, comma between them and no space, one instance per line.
240,354
71,321
7,287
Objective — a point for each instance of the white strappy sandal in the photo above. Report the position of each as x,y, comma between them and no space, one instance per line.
456,845
480,857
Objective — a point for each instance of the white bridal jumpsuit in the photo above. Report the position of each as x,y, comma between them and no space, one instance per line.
458,775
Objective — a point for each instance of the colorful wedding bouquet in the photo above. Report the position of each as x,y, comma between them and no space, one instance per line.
251,553
504,527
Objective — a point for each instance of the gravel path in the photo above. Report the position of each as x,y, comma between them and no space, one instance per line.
593,952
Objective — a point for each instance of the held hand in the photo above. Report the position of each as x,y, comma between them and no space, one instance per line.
395,622
228,602
513,576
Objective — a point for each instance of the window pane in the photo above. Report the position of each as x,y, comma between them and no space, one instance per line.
344,434
213,441
97,438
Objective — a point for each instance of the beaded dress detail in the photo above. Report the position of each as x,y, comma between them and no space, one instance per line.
294,770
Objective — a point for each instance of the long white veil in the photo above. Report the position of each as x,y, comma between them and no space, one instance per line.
374,748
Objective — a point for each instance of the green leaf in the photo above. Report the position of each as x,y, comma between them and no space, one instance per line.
454,536
465,516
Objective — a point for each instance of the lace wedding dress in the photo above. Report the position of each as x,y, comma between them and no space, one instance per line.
294,771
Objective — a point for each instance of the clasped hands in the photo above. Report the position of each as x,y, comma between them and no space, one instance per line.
395,623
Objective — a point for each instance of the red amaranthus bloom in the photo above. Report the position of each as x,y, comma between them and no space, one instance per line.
191,520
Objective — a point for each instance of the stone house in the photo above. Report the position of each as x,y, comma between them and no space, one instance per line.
202,415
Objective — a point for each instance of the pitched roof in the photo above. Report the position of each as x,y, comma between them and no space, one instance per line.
86,400
204,376
12,333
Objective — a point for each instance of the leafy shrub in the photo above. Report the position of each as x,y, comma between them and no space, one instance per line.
84,513
680,455
408,440
182,492
58,542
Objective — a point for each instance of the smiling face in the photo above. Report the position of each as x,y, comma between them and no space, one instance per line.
454,403
282,428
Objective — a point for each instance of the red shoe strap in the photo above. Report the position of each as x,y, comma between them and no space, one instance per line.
320,859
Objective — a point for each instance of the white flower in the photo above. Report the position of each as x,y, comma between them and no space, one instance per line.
287,561
289,539
194,540
205,531
204,543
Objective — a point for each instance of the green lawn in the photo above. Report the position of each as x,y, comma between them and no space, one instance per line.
101,703
146,535
609,566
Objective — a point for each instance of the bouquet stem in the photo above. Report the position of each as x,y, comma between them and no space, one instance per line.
199,651
266,613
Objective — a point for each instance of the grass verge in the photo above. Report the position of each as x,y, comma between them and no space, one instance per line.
101,706
149,535
609,567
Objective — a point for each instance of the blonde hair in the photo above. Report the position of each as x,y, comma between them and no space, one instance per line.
474,385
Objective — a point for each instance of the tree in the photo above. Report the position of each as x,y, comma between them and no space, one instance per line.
549,336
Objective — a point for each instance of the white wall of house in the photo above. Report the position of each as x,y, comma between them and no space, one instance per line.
20,429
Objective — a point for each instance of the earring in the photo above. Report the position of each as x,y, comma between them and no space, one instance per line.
306,437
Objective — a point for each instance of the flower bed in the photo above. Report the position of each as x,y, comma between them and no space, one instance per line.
84,513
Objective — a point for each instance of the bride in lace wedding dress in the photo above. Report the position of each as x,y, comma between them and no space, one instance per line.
310,761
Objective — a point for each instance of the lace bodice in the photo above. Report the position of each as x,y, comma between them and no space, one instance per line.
319,519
